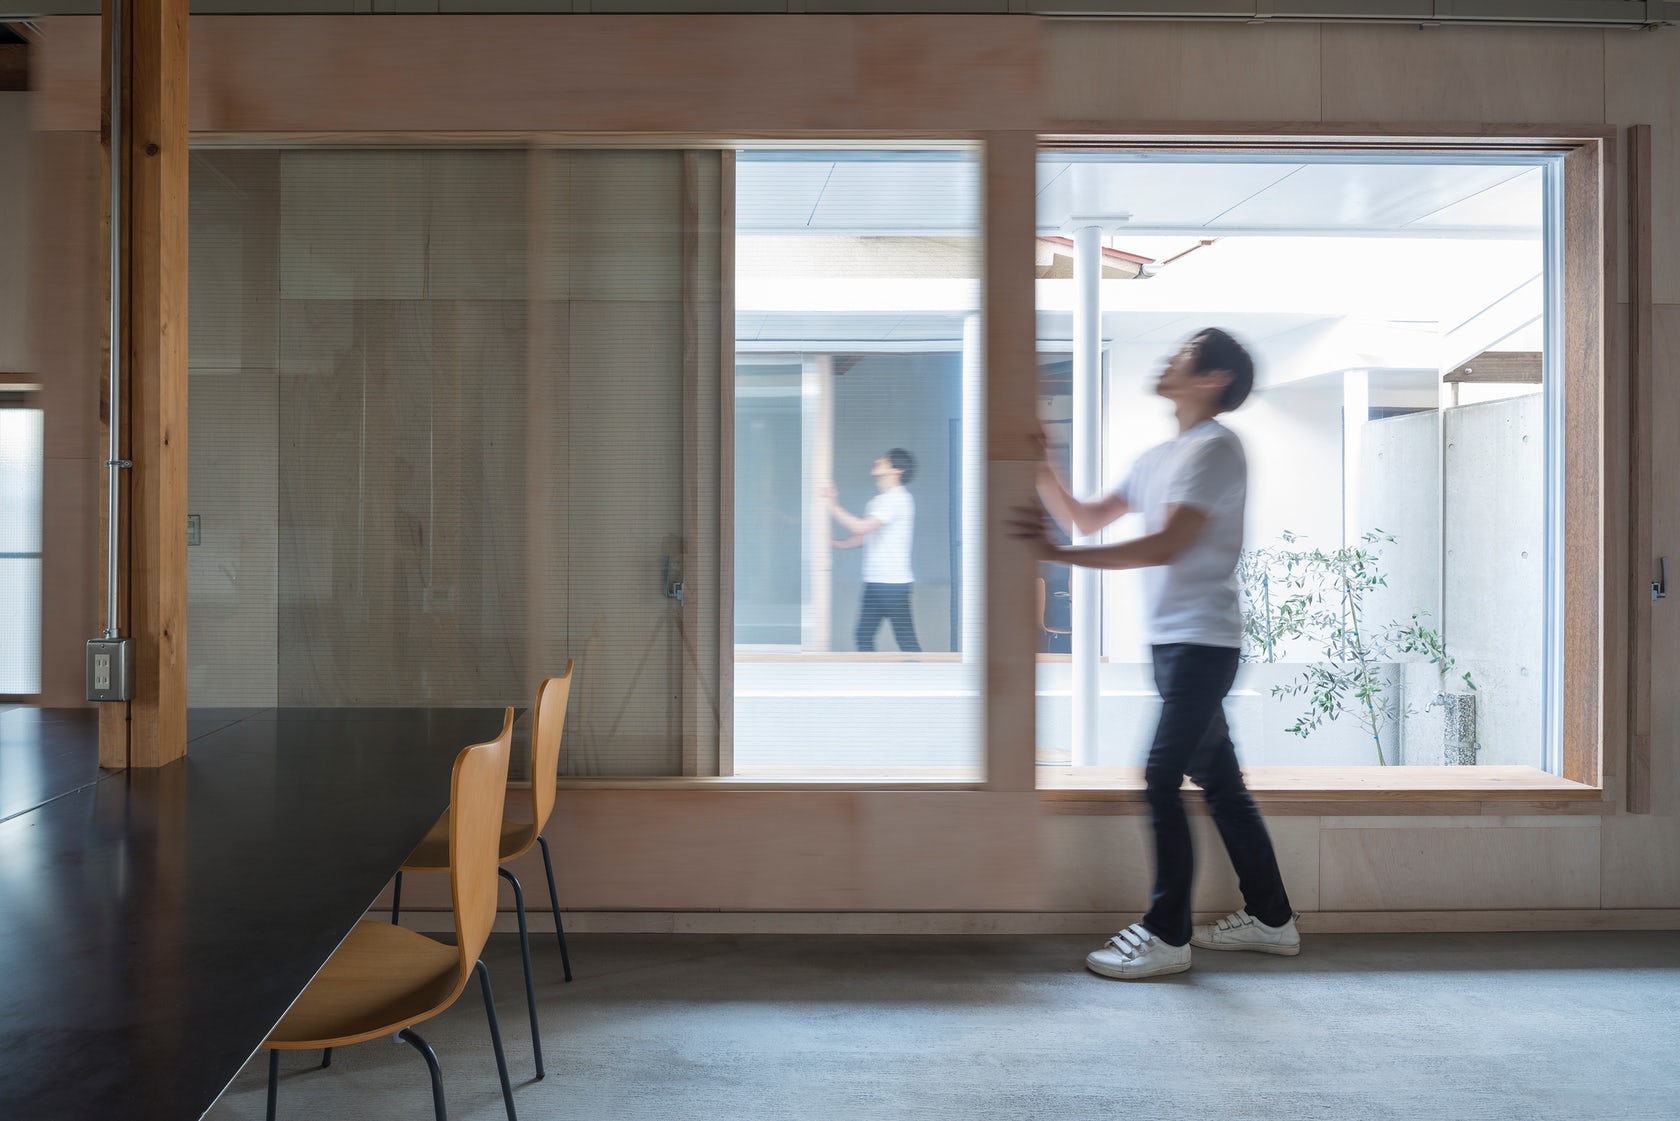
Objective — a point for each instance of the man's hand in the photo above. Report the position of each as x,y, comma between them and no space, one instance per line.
830,496
1033,525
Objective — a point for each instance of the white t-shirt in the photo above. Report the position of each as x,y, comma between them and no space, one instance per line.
1194,599
886,551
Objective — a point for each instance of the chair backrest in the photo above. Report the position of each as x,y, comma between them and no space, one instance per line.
476,796
546,729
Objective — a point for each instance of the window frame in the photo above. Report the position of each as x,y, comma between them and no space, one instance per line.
1593,569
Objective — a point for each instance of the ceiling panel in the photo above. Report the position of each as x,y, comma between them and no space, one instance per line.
777,196
900,197
1517,203
1351,197
1170,195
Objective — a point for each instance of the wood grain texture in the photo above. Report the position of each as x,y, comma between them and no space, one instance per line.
705,74
1595,415
1480,868
1642,86
1107,69
155,301
65,348
1474,74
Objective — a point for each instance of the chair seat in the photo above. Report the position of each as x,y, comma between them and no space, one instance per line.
381,979
432,854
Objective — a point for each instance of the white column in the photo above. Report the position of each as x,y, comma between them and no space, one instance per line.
1356,410
972,594
1086,459
817,435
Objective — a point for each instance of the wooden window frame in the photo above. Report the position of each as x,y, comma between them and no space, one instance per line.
1593,537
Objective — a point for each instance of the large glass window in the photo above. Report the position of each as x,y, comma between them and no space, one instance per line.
1397,574
857,464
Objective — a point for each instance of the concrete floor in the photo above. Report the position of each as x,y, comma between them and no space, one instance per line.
1452,1027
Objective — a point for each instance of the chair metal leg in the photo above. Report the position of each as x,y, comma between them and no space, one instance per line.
525,952
326,1058
407,1036
273,1080
396,898
554,902
496,1040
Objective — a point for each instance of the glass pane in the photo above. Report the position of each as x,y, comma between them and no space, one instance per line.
857,464
1393,572
20,548
439,401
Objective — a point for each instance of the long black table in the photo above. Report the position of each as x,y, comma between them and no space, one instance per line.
155,925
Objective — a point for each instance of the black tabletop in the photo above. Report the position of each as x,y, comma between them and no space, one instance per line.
155,925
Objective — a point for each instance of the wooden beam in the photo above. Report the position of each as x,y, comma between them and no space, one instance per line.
151,729
1505,367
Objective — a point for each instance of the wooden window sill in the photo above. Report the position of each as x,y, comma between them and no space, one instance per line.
1283,791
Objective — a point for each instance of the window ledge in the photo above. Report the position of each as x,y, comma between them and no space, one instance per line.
1321,790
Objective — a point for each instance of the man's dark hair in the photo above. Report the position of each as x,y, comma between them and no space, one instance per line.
903,461
1217,350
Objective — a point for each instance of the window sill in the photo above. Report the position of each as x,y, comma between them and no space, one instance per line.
1341,791
1281,791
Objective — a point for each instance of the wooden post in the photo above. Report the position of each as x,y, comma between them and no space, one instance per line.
151,729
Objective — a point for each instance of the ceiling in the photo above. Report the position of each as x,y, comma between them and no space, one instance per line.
938,194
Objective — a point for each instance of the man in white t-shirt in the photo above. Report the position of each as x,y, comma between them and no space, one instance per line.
885,533
1191,491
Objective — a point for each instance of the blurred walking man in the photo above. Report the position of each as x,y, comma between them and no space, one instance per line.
1191,492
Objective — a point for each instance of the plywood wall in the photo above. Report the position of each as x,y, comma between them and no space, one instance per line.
999,79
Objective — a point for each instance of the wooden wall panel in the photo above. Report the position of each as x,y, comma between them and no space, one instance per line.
1105,863
1472,864
1642,86
1641,867
1116,71
433,74
1469,75
65,351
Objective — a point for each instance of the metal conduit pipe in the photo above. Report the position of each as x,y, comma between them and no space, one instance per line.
113,463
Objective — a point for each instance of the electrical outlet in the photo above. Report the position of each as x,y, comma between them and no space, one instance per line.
110,669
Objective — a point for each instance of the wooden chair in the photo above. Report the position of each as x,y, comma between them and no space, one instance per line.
383,978
1043,612
432,854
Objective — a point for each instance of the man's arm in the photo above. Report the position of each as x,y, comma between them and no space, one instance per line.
1184,525
1085,518
853,542
1072,514
858,527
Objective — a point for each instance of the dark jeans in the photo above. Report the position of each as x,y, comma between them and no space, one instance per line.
1192,738
890,602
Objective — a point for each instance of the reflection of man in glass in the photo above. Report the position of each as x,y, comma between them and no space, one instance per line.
1191,492
885,532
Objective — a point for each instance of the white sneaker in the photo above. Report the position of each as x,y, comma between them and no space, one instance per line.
1242,931
1135,953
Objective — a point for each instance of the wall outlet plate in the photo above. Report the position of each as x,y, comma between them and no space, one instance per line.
192,529
110,669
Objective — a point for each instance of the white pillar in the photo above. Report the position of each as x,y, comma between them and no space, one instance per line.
1086,458
972,595
1356,410
816,616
